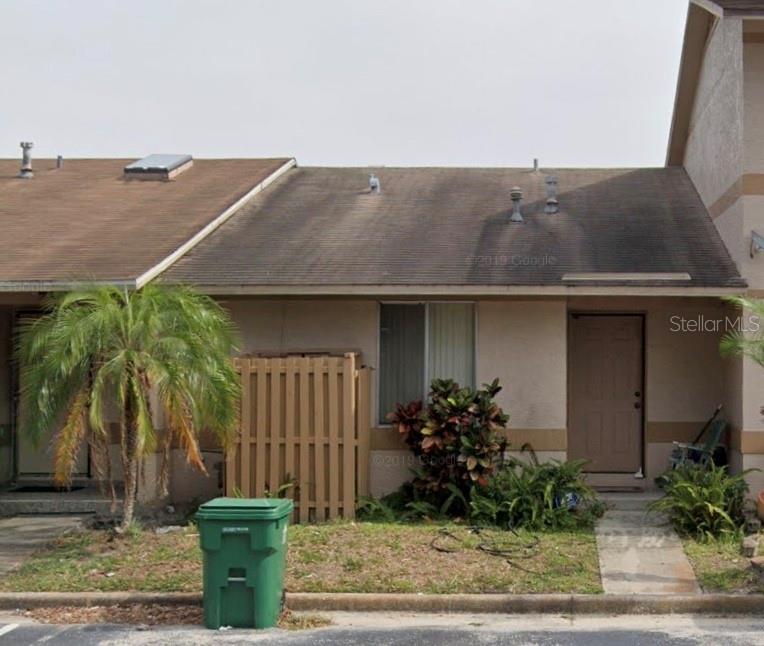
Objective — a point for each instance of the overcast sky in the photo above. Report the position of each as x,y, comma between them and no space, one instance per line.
343,82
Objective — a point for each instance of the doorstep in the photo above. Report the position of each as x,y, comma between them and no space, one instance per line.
85,500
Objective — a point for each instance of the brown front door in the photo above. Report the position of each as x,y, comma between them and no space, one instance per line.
606,392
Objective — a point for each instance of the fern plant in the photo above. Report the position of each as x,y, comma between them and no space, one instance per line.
532,495
704,502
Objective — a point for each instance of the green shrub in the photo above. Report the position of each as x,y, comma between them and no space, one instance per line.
532,495
457,440
704,502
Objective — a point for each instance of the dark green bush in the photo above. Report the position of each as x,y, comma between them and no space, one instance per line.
704,502
532,495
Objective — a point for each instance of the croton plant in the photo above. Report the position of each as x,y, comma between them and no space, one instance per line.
457,437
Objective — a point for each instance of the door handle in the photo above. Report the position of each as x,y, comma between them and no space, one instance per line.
637,405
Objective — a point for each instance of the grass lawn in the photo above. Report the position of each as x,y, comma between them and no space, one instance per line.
330,557
720,567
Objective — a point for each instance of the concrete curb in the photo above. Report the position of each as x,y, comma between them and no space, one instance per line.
16,600
574,604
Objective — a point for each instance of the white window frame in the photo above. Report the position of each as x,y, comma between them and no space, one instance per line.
426,344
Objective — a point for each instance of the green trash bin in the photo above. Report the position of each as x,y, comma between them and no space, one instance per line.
243,544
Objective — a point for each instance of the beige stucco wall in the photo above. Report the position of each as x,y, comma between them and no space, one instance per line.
751,210
753,101
730,228
713,156
293,324
523,343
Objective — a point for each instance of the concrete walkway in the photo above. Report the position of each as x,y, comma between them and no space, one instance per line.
22,535
639,552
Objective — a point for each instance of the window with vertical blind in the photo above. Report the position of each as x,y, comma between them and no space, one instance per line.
419,342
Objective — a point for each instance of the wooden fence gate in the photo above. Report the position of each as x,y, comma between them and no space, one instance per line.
304,420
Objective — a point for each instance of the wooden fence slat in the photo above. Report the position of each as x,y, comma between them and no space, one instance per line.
246,426
274,434
232,450
304,440
261,366
334,487
318,435
363,427
348,436
289,418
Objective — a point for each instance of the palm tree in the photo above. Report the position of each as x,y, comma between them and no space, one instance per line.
749,341
100,346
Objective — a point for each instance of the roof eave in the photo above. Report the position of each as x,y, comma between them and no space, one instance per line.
735,286
701,19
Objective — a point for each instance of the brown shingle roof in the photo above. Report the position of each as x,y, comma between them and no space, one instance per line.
449,226
85,222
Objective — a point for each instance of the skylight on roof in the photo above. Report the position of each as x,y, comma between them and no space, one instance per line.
159,166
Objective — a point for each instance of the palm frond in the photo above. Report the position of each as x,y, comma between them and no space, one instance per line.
68,441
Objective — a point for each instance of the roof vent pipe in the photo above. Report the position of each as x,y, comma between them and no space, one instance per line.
26,160
552,204
59,161
374,184
535,165
516,193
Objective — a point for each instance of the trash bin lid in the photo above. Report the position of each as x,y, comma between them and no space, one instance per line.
245,508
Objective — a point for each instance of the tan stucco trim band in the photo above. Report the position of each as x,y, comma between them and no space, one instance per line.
752,442
666,432
748,184
386,438
727,199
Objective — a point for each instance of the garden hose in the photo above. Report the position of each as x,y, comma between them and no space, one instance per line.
509,554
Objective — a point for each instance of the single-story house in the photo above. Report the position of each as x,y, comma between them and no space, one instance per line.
594,295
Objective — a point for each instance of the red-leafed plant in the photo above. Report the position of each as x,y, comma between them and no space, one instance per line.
457,438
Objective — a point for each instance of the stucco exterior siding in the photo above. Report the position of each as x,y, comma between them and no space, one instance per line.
714,152
753,94
523,343
729,225
290,325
